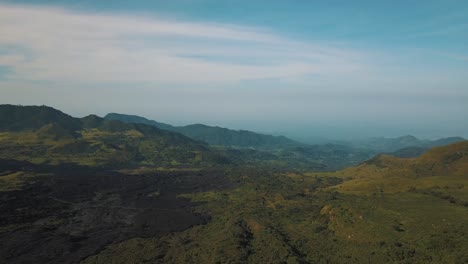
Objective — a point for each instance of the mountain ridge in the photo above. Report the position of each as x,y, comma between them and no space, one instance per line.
42,134
448,160
390,145
213,135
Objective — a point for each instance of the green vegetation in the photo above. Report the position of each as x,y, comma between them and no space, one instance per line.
406,146
274,152
217,136
44,135
95,147
300,218
91,190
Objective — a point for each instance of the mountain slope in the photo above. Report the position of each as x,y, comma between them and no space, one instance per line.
138,119
447,160
42,134
409,152
213,135
444,141
21,118
227,137
445,166
389,145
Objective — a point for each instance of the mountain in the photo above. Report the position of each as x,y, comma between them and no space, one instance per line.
409,152
227,137
266,150
51,136
444,141
446,160
41,134
213,135
90,190
21,118
138,119
54,131
389,145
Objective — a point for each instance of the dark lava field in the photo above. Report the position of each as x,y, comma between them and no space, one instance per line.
69,212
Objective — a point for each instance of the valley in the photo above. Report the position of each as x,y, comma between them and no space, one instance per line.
233,132
90,190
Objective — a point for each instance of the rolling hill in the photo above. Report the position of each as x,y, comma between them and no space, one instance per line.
371,213
409,152
23,118
248,147
450,160
389,145
90,190
443,168
41,134
214,135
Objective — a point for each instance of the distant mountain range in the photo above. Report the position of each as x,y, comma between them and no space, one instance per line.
405,146
49,135
92,190
213,135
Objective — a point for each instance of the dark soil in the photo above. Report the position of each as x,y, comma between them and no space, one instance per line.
78,211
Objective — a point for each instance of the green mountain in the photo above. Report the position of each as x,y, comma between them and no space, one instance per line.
439,164
388,145
264,150
227,137
50,136
446,160
363,214
444,141
90,190
139,120
213,135
41,134
409,152
54,131
22,118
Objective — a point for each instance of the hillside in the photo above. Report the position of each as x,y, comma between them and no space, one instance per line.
389,145
444,169
228,137
446,160
258,149
91,190
409,152
139,120
42,134
366,214
213,135
22,118
50,136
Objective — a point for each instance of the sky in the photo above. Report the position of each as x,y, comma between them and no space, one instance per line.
304,69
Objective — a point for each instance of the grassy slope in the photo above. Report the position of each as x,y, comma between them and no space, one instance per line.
442,168
213,135
96,147
367,214
387,210
41,134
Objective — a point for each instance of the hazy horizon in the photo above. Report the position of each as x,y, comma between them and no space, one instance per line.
304,70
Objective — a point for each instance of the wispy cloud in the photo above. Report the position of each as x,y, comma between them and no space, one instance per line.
45,43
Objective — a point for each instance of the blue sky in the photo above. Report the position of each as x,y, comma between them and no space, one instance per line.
306,69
